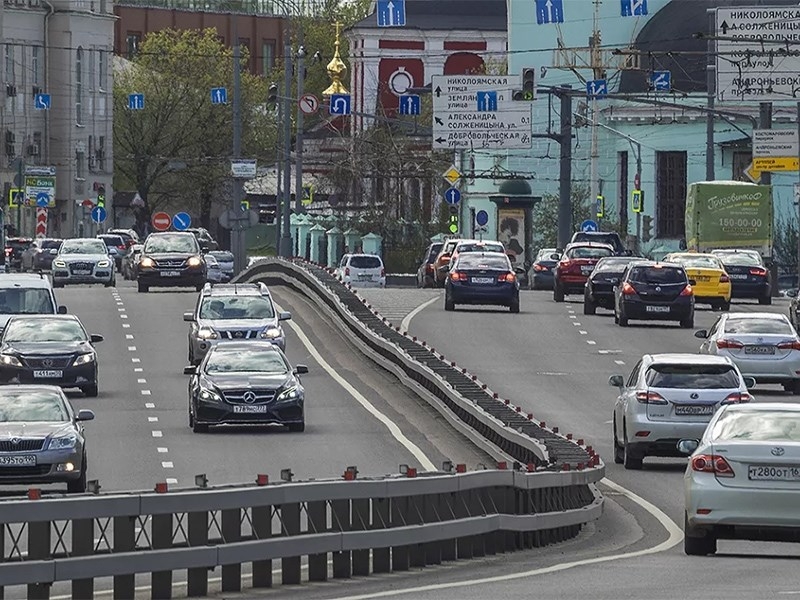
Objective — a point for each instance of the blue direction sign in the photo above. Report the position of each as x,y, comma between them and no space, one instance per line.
487,101
42,199
633,8
549,11
589,225
409,104
99,214
136,101
340,104
391,13
181,221
219,95
452,196
41,102
661,81
596,88
482,218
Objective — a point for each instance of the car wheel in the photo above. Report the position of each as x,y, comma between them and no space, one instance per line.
297,427
143,287
558,292
631,462
697,545
796,388
79,485
619,454
90,391
589,307
765,299
514,306
448,303
725,306
687,323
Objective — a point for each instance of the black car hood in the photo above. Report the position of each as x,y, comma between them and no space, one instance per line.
46,348
170,255
237,381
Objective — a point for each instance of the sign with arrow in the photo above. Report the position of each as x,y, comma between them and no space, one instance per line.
596,89
452,196
549,11
661,81
409,104
633,8
391,13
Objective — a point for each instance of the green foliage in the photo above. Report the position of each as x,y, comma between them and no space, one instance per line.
785,243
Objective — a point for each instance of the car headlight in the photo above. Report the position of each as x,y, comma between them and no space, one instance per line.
59,263
9,359
271,333
85,358
103,264
194,261
206,333
147,263
291,393
62,442
209,395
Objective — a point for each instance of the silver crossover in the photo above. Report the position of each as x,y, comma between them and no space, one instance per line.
83,260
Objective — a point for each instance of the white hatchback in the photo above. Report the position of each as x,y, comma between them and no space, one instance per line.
362,270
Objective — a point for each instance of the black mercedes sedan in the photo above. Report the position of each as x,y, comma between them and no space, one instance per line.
247,383
599,290
49,349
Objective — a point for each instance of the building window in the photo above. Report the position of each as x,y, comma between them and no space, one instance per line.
79,86
102,70
90,75
9,60
267,56
741,160
36,65
133,39
80,164
670,194
10,142
100,153
622,178
36,147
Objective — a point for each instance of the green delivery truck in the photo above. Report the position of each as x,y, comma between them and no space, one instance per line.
729,214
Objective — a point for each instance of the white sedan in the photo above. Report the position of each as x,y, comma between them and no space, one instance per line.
764,346
743,478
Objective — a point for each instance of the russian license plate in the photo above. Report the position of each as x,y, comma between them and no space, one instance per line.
364,277
770,473
656,309
170,273
82,272
482,280
694,409
22,460
738,276
759,349
586,269
702,278
48,374
256,408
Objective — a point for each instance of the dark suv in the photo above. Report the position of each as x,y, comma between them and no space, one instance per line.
171,259
602,237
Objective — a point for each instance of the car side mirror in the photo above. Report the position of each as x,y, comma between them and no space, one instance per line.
702,334
692,282
85,414
96,338
616,381
284,316
190,370
53,250
555,256
188,317
749,382
687,446
62,310
301,370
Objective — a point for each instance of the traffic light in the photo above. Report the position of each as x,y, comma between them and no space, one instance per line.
101,196
452,226
647,228
527,93
601,206
637,200
272,93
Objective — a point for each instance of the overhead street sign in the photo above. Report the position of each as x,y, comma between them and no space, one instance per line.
161,221
243,168
749,62
775,143
391,13
633,8
785,163
459,93
661,81
549,11
136,101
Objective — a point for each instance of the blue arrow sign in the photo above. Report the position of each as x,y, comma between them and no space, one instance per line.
181,221
633,8
661,81
409,104
219,95
41,102
452,196
589,225
99,214
42,199
549,11
340,104
482,217
391,13
597,88
487,101
136,101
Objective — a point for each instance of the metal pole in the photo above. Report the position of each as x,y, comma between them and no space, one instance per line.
238,246
797,201
286,237
298,144
638,214
765,122
711,84
565,169
24,198
278,180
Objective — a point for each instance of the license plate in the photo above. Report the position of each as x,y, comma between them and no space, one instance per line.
23,460
482,280
657,309
693,409
47,374
82,272
170,273
586,269
256,408
759,349
364,277
770,473
738,276
701,278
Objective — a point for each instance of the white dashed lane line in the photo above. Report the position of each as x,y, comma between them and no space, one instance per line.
157,434
146,393
620,362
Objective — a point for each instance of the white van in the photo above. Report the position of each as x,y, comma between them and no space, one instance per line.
365,270
26,294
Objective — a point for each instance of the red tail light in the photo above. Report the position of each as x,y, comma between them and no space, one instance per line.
509,277
650,398
539,268
628,289
790,345
729,344
429,268
724,279
712,463
687,291
458,276
347,271
737,398
758,271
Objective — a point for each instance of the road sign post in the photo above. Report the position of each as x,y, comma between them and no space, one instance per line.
99,214
589,225
339,104
452,196
219,95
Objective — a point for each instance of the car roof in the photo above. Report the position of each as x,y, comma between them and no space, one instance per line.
686,358
47,317
588,245
36,280
264,345
757,315
764,406
32,387
237,289
643,262
364,254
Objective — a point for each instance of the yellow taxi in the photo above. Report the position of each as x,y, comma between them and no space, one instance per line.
709,279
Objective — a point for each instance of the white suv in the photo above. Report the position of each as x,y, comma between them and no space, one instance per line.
26,294
669,397
362,270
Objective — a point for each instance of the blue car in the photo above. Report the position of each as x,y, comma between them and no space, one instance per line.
540,276
482,278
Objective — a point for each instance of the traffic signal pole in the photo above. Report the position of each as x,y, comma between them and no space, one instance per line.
285,244
238,243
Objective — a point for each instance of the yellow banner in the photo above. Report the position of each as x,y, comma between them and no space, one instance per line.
778,163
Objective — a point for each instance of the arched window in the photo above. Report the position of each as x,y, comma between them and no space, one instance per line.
79,86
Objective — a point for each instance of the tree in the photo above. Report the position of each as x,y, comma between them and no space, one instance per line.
177,149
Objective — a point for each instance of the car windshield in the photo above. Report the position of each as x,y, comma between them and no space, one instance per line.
48,244
434,252
741,259
546,253
692,377
480,247
610,238
657,275
485,261
246,361
113,240
755,325
365,262
18,243
758,426
588,252
222,256
37,406
697,262
26,301
83,247
237,307
44,330
612,263
171,243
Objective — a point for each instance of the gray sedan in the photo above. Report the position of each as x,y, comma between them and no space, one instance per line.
83,260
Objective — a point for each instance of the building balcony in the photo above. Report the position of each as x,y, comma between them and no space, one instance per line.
249,7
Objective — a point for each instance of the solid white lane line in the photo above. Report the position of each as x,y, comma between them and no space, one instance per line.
162,450
675,537
407,319
167,464
152,419
146,393
396,432
149,405
131,348
157,434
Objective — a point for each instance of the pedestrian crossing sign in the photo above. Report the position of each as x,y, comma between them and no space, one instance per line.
308,195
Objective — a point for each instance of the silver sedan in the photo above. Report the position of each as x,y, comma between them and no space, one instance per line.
83,260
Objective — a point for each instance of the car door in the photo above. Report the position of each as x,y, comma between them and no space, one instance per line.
620,406
709,344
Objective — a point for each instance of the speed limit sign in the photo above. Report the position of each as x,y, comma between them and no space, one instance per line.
309,104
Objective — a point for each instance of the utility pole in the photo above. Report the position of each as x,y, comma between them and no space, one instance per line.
298,144
278,180
711,84
286,234
765,122
565,168
797,197
598,72
238,236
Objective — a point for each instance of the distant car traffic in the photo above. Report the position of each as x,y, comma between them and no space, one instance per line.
130,263
204,238
602,237
425,274
575,266
742,478
213,272
83,260
599,289
51,349
540,276
749,277
668,397
117,248
654,291
442,263
246,383
171,259
464,246
764,346
14,248
44,441
40,254
482,278
129,235
711,283
362,270
225,261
